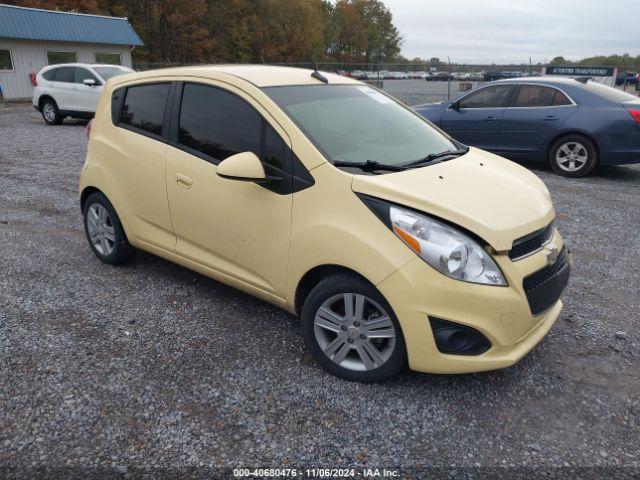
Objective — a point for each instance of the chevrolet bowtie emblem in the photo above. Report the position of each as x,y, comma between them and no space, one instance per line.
552,254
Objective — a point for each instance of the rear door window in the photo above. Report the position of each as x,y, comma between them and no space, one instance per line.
143,107
495,96
531,96
65,75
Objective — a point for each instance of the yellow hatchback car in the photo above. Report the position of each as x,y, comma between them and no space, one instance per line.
392,242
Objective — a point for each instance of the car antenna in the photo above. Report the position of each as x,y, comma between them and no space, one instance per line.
583,79
317,75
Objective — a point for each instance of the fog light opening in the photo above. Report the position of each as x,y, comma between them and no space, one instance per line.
455,339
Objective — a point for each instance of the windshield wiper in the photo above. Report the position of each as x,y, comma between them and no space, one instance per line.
370,166
434,156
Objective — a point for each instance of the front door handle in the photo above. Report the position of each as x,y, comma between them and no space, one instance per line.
491,118
183,180
550,118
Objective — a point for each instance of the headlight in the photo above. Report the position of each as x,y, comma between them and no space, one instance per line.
444,248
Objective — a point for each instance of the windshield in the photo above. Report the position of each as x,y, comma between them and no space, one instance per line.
107,72
356,123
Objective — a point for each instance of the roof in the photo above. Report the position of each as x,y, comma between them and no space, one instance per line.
258,75
541,79
48,25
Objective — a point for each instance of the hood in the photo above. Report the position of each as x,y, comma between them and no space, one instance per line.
494,198
431,111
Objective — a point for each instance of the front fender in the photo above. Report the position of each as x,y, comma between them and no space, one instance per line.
332,226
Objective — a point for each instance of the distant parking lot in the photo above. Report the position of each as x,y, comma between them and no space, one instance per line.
415,92
150,366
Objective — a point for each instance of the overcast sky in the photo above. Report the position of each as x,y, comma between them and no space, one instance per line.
478,31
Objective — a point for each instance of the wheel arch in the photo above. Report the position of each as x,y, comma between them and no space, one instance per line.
43,97
89,190
565,133
314,276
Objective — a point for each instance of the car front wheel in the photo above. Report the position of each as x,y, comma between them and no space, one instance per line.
50,112
351,330
573,156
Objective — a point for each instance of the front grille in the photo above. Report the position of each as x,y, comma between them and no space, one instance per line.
532,242
544,287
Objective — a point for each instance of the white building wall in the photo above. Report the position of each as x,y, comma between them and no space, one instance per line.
30,55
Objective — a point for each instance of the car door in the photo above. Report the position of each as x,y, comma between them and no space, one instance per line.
475,119
532,118
85,97
137,157
237,228
62,87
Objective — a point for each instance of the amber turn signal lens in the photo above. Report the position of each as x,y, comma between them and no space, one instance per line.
412,242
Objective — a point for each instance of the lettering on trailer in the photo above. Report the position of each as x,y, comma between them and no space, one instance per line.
581,71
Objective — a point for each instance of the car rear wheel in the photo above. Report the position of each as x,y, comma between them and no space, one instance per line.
50,112
351,331
573,156
104,231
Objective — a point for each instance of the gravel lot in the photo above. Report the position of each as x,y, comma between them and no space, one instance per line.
151,366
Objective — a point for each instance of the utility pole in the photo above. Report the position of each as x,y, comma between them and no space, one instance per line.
449,79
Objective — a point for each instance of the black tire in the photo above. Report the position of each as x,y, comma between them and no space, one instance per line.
50,112
345,283
121,251
573,143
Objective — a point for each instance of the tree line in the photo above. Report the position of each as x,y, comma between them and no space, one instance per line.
624,61
255,31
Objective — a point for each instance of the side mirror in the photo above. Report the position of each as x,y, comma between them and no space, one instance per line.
455,106
90,82
245,166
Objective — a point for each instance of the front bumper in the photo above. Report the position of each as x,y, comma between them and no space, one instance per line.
502,314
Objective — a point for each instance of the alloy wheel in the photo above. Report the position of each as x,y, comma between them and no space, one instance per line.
100,229
354,332
572,156
49,112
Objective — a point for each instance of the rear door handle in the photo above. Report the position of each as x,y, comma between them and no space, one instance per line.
183,180
491,118
550,118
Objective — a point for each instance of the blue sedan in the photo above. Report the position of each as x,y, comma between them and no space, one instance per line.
573,124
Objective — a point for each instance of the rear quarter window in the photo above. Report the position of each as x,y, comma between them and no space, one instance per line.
49,74
143,107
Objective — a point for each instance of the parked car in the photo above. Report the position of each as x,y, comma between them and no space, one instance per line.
397,76
626,78
332,200
358,74
440,76
71,89
475,76
574,125
493,76
460,76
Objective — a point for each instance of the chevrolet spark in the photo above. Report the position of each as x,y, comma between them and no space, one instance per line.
393,243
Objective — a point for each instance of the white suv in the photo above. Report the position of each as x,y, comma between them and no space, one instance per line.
71,89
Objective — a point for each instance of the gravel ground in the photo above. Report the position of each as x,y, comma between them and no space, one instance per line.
151,367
